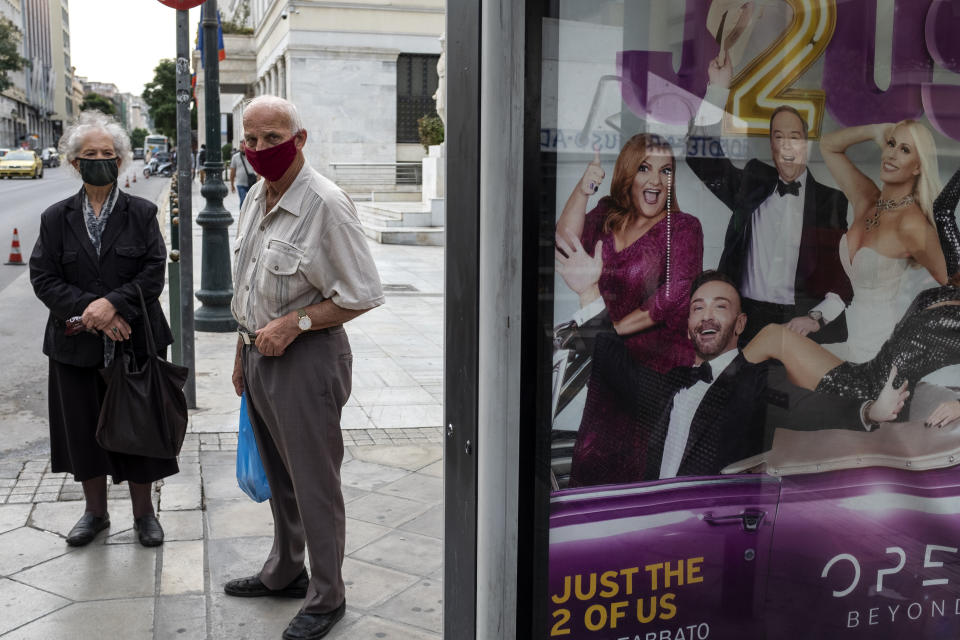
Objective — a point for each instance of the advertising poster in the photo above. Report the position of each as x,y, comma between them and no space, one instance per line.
756,318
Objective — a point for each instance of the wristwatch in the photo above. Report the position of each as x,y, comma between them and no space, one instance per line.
303,320
816,314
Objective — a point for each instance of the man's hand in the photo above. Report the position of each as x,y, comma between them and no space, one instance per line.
944,414
98,314
888,404
720,70
117,328
232,188
578,269
273,339
803,325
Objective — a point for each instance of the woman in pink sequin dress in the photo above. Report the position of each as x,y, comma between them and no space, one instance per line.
650,253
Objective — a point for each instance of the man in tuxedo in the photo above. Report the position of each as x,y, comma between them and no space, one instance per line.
697,420
781,244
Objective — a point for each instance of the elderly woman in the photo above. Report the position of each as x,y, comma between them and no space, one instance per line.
92,251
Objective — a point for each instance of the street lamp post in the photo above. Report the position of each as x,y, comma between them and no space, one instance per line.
216,290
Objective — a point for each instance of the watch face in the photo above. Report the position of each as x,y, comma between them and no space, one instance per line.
816,315
304,323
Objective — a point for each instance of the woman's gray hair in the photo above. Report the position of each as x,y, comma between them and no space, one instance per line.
287,107
71,143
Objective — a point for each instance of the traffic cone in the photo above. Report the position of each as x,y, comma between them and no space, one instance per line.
127,186
134,176
15,257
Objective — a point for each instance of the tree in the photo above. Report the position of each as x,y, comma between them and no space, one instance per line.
10,58
238,23
99,103
160,94
137,136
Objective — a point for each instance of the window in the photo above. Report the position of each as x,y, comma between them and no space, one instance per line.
416,83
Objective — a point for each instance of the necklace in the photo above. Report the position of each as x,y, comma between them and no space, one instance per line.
887,205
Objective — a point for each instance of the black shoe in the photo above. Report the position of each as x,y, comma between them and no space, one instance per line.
251,587
309,626
149,531
87,528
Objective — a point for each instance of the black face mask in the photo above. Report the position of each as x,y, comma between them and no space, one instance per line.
99,173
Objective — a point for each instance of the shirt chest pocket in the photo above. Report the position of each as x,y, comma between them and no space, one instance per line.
280,278
129,258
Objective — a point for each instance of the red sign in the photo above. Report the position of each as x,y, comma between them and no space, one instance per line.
182,4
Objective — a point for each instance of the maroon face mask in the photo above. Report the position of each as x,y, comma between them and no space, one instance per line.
272,162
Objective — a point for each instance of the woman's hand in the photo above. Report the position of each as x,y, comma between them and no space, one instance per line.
888,404
943,415
592,177
117,328
578,269
98,314
882,132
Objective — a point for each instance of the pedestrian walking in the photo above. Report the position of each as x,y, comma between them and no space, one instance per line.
201,159
301,248
94,249
242,175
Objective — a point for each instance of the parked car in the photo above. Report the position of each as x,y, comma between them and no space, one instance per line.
22,162
138,153
50,157
831,534
4,152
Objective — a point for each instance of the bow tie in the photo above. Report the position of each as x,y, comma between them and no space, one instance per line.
694,374
792,187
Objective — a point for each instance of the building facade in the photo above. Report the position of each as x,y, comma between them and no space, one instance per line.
361,73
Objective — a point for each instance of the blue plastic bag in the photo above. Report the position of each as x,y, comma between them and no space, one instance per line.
250,474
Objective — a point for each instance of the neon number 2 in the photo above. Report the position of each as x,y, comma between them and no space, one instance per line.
765,83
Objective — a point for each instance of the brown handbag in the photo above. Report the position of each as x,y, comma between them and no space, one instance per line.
144,411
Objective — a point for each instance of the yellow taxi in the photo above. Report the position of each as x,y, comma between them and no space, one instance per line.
21,162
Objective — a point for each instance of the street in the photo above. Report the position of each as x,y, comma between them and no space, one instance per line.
23,410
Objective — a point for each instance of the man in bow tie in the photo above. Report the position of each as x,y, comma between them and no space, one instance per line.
781,245
699,419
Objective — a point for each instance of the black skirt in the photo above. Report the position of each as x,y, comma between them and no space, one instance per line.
75,396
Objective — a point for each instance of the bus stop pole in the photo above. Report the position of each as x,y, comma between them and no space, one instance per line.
184,189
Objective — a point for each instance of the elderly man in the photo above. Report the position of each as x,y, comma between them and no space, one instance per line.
781,243
301,270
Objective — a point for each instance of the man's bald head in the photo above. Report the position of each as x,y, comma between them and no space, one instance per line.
275,106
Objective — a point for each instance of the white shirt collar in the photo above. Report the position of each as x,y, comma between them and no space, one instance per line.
722,361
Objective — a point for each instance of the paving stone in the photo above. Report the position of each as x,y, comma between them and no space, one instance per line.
429,524
181,497
239,518
380,629
360,534
368,475
220,483
182,571
13,516
97,572
59,517
434,469
369,585
404,416
130,619
182,525
404,551
388,511
19,604
180,617
420,605
410,456
416,486
230,558
252,618
393,396
354,418
26,547
351,493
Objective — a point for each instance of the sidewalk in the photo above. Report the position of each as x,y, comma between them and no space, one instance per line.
392,482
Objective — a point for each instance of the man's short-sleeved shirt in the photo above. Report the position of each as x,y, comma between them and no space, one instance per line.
308,248
245,173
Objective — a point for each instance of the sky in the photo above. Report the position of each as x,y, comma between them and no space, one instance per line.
121,41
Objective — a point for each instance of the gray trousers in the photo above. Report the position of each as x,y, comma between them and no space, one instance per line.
294,402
